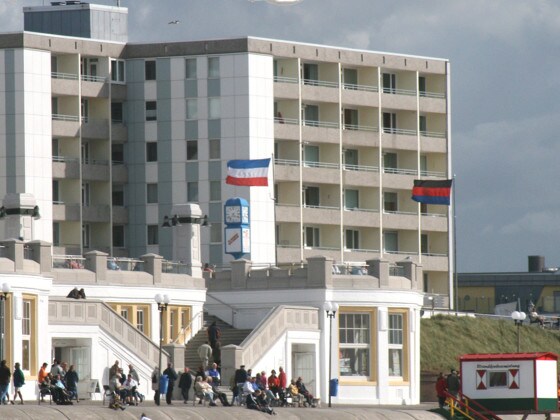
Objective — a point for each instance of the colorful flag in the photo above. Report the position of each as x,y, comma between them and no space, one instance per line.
249,173
432,192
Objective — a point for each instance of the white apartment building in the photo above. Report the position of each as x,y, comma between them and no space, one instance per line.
107,136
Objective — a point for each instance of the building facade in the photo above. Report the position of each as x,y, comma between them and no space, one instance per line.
108,135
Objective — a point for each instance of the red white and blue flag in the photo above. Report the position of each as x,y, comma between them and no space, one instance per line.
432,192
248,173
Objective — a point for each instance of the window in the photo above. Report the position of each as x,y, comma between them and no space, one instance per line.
354,339
352,239
311,196
214,149
85,153
117,112
422,125
192,109
117,71
312,238
215,190
351,199
216,232
311,115
117,153
350,119
85,194
85,109
390,202
498,379
422,85
86,234
214,108
118,195
124,313
350,159
389,83
213,67
391,241
56,192
424,244
350,78
151,193
190,68
151,151
150,67
310,74
192,192
26,323
151,111
54,106
153,237
56,234
118,236
424,165
389,122
140,319
395,344
311,155
390,163
192,149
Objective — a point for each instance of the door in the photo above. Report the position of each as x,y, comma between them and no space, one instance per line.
303,364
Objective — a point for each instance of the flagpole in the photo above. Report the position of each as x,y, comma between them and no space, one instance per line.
276,239
456,282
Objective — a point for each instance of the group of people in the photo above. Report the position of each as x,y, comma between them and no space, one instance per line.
5,379
450,384
124,387
61,382
267,391
164,383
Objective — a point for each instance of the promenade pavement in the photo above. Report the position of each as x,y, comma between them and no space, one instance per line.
94,410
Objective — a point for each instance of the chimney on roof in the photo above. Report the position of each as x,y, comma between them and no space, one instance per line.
536,264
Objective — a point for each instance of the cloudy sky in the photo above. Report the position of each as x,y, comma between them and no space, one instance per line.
505,61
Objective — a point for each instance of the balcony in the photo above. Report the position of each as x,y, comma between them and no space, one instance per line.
64,84
434,222
95,128
321,214
360,175
65,125
321,172
287,212
96,214
95,170
66,212
361,95
94,86
120,173
64,167
361,217
401,220
319,91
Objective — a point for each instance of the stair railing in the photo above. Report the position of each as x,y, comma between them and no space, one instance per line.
182,337
233,311
463,405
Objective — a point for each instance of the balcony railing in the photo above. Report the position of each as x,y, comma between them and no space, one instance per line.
400,131
282,120
282,79
88,78
436,134
68,261
396,270
323,83
404,213
319,206
364,168
434,254
361,209
394,91
435,174
62,117
400,171
324,124
313,164
357,127
64,159
286,162
173,267
397,252
438,95
365,88
65,76
434,214
125,264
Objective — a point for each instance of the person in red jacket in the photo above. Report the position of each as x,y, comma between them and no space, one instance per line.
441,387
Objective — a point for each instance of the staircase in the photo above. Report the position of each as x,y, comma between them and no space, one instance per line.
230,335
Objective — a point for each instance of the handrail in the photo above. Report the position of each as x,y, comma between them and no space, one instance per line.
66,76
223,303
365,88
62,117
323,83
407,92
182,336
467,410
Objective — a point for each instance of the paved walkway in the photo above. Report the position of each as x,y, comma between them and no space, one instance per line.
87,410
93,410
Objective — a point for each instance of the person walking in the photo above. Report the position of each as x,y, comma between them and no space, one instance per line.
185,383
214,334
155,384
72,380
5,376
19,381
205,353
172,376
441,387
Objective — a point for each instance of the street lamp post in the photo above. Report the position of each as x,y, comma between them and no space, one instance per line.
518,318
3,297
330,308
162,303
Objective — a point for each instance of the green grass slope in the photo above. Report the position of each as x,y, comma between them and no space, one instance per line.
445,338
